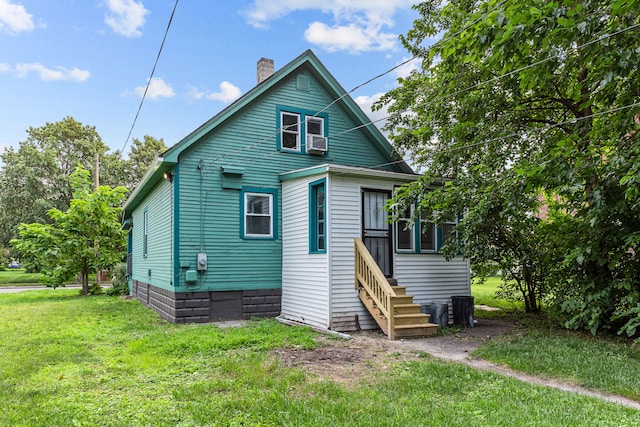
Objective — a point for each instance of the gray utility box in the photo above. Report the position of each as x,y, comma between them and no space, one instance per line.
439,313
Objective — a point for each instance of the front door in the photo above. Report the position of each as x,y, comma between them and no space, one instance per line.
376,230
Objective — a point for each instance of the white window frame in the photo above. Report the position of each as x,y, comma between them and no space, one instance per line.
309,119
285,130
247,215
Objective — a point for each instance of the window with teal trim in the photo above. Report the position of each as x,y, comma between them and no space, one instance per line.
258,210
145,232
405,233
317,217
426,237
298,128
290,131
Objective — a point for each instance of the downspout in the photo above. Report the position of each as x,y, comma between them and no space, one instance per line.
328,245
176,226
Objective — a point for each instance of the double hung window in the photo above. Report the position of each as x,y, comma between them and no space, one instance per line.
297,127
405,234
290,131
145,233
258,215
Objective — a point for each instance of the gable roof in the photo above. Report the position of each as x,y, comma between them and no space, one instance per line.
309,61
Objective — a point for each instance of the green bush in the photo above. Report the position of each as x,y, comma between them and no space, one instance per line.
119,281
94,289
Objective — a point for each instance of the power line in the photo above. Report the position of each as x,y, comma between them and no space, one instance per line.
439,42
146,89
544,128
493,79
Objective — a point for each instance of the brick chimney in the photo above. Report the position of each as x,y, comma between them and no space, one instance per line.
265,69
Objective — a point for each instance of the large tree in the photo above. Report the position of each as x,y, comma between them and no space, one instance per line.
143,153
84,238
35,177
528,105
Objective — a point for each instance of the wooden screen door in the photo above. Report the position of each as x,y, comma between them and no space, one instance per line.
376,230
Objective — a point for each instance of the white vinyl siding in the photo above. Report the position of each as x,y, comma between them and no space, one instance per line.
305,285
319,289
431,278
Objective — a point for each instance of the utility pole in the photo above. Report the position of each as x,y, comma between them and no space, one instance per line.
96,168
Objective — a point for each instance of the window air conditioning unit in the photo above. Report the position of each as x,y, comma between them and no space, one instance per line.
316,144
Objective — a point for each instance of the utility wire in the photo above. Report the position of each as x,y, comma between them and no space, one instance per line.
543,128
438,43
315,115
146,89
573,120
493,79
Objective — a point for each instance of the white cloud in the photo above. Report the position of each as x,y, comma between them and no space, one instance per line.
47,74
406,69
366,102
351,38
228,92
158,88
126,17
14,18
357,25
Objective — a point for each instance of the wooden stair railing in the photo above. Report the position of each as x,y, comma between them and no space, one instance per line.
389,305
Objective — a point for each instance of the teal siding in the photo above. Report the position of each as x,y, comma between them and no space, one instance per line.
157,262
210,219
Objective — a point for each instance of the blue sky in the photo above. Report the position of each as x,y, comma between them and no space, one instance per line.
91,59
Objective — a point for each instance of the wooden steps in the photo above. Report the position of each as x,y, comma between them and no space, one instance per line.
388,303
408,321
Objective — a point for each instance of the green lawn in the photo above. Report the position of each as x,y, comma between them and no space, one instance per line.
104,361
485,293
608,365
18,277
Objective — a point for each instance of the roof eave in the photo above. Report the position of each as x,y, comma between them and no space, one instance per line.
153,175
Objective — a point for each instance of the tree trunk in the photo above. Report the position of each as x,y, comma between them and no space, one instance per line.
85,277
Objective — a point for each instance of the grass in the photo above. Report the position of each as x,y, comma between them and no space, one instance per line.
19,277
103,361
606,364
609,365
485,293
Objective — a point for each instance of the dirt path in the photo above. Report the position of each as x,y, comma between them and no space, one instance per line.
369,353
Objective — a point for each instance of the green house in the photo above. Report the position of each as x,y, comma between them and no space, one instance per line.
255,212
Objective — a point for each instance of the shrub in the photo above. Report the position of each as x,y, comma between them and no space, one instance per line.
119,281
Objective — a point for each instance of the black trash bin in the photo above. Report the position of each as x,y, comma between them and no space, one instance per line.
462,307
438,312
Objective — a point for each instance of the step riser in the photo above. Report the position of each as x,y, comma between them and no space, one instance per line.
407,310
411,320
416,332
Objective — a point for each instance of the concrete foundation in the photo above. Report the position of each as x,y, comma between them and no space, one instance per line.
208,306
